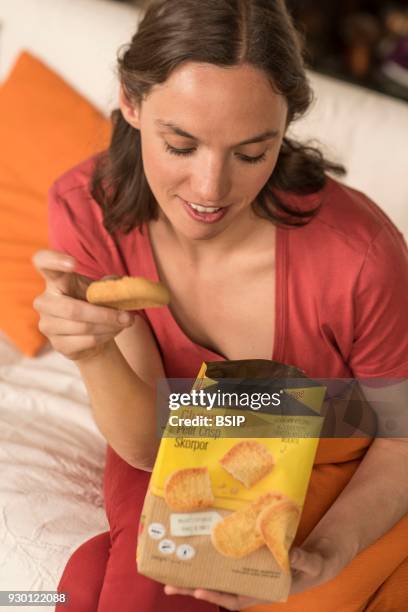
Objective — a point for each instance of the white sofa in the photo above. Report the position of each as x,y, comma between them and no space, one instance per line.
51,455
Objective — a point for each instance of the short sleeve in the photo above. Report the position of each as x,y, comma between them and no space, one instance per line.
73,229
380,344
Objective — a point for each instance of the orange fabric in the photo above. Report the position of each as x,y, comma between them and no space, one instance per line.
45,127
392,595
358,582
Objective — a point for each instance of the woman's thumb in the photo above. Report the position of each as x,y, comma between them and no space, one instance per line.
308,562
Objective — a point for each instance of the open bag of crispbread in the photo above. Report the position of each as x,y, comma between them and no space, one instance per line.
226,495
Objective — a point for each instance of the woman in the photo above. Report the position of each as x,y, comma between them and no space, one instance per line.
265,257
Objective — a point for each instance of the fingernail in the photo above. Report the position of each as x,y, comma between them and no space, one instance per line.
69,264
124,318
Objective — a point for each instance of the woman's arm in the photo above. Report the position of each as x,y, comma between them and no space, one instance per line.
381,479
119,361
121,381
372,502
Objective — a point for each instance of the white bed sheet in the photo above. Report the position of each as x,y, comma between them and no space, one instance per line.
51,468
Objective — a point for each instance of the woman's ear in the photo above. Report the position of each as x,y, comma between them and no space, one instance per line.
130,111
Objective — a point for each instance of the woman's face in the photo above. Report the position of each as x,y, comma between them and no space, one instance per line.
210,138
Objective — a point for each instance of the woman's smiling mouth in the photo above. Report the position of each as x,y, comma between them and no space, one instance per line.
205,214
204,209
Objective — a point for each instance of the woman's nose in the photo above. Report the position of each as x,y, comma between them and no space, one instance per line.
211,183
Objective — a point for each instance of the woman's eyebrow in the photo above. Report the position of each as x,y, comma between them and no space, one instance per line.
180,132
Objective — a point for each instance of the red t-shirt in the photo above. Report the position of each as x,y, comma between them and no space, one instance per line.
341,281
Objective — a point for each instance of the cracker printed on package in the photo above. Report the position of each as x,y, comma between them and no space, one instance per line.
248,461
188,489
277,525
128,293
236,535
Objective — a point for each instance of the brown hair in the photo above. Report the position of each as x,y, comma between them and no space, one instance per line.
224,33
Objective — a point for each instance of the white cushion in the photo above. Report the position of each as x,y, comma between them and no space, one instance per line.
79,39
368,133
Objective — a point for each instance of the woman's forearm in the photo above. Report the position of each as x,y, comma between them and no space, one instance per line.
124,406
373,501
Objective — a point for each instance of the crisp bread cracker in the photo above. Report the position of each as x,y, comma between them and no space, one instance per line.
277,525
188,489
248,461
236,535
128,293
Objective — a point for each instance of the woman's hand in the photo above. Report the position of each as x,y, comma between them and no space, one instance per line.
225,600
312,564
317,562
74,327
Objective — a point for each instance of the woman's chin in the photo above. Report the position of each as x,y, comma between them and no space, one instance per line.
198,233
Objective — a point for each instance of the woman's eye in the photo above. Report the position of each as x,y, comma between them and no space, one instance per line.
244,158
251,160
175,151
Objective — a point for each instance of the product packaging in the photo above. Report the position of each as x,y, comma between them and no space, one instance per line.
228,486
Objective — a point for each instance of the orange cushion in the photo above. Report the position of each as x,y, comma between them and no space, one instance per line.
45,128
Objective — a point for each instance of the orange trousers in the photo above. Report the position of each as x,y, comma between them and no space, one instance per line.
101,575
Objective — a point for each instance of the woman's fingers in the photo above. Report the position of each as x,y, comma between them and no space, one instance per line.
53,261
53,265
53,326
312,568
226,600
74,327
75,310
170,590
58,271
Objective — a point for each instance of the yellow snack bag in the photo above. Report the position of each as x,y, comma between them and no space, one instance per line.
228,486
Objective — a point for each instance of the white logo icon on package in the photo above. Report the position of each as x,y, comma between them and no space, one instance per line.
167,547
156,531
185,552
